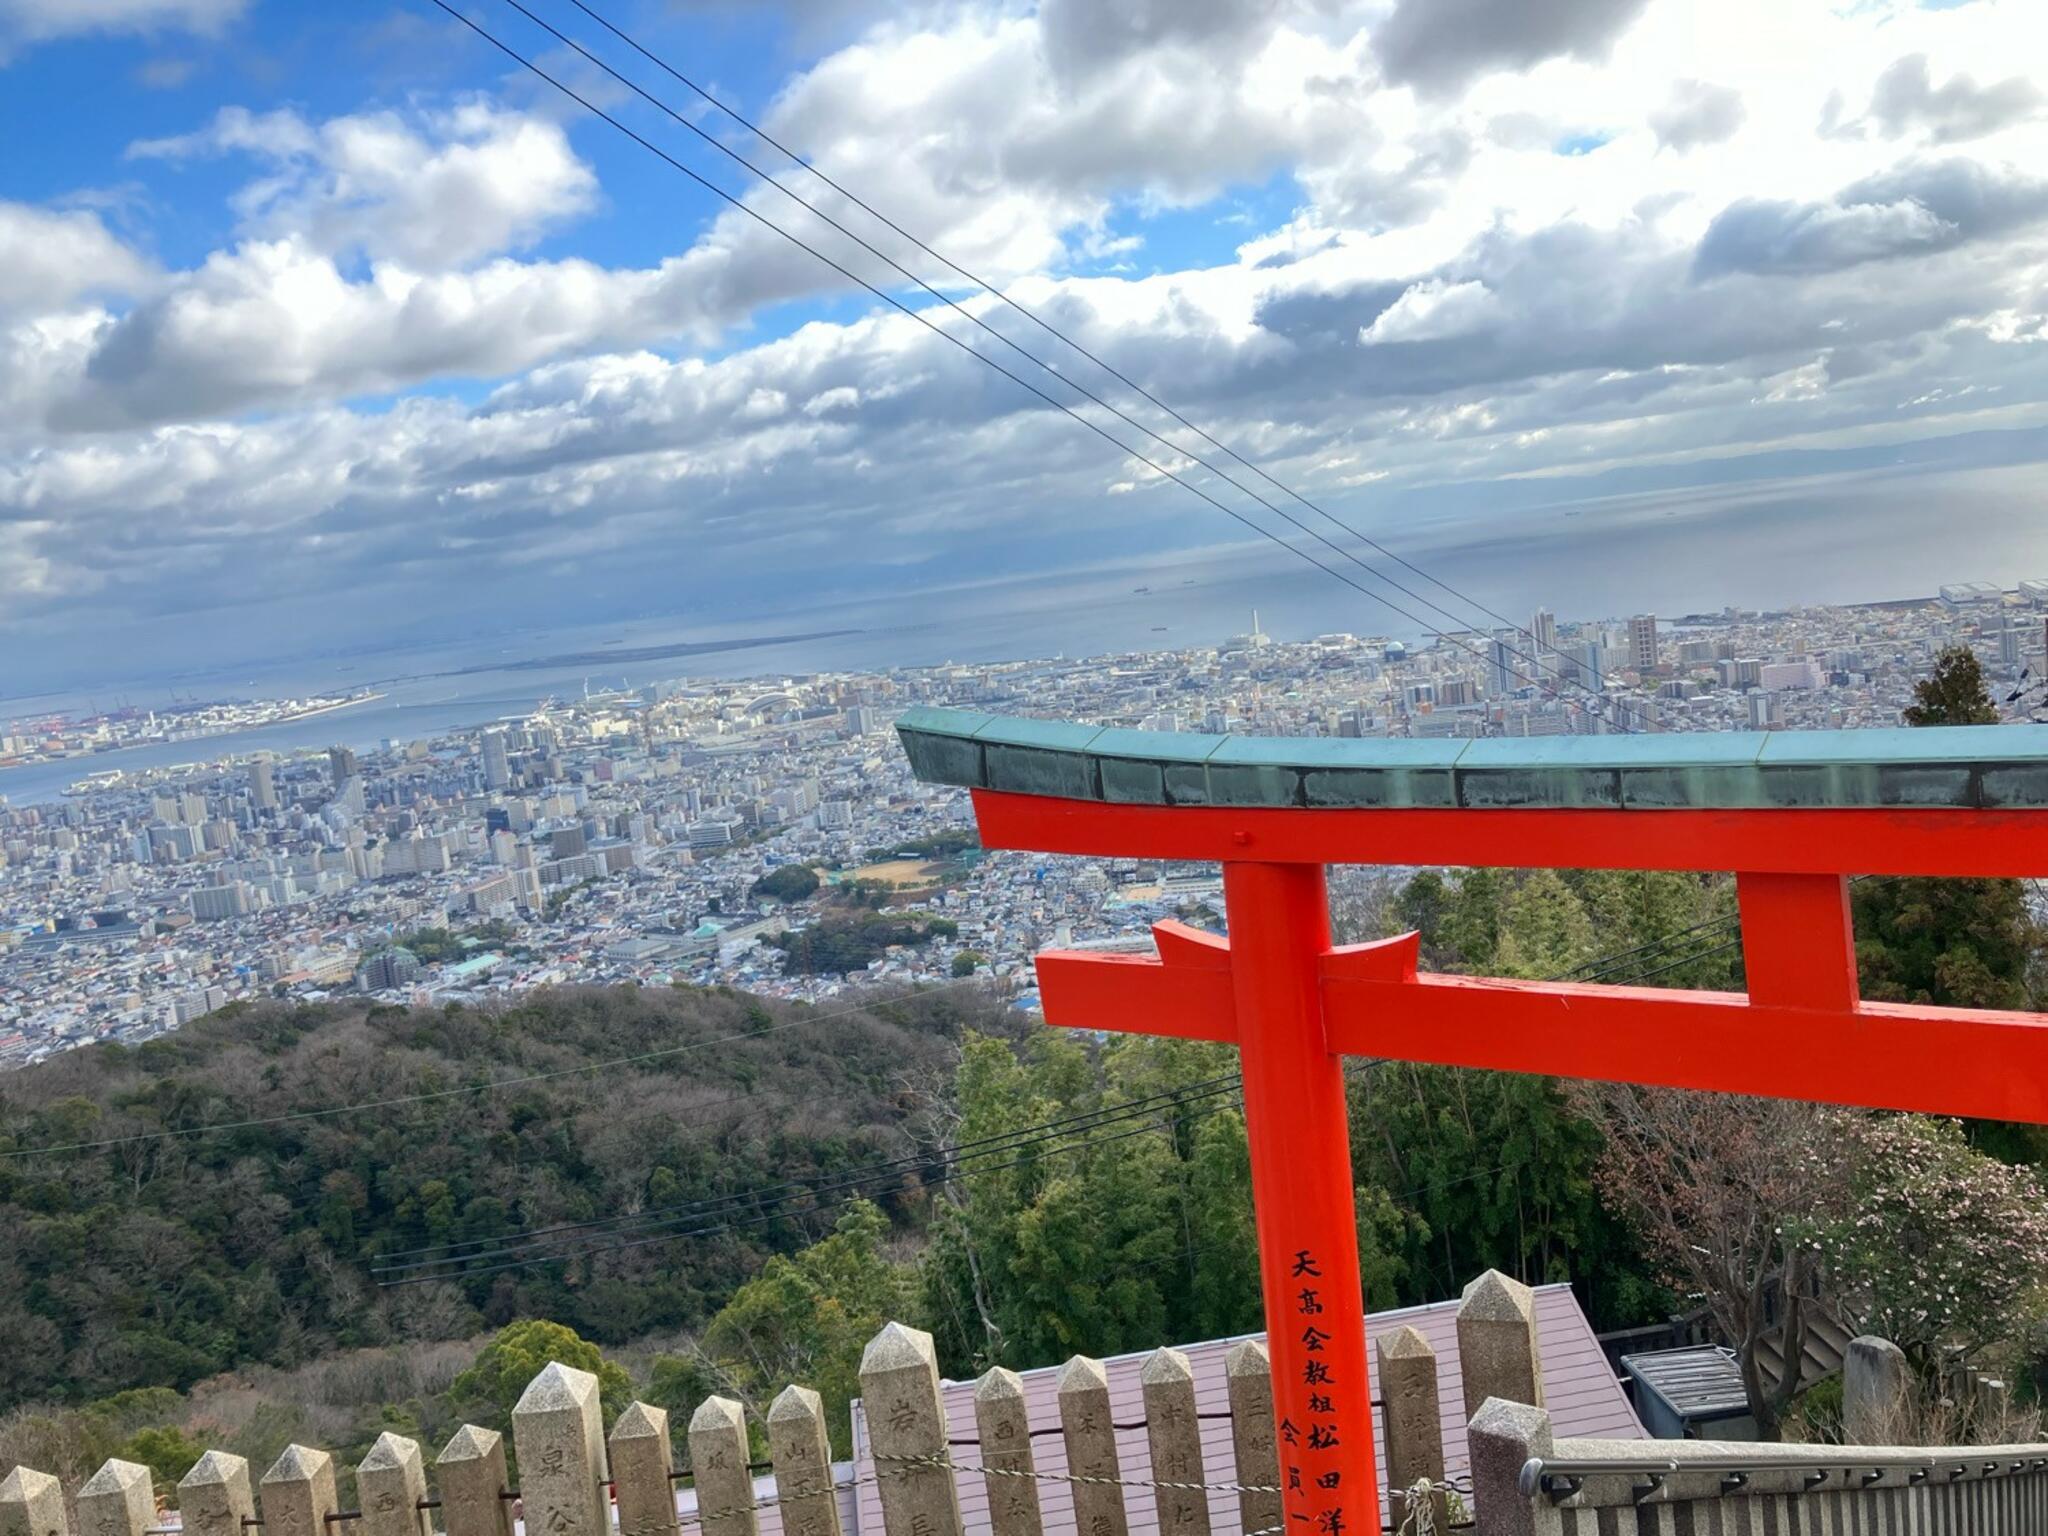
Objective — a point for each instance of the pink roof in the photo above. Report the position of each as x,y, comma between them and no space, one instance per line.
1579,1388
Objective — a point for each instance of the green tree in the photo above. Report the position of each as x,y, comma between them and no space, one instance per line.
1936,1246
521,1351
968,961
792,882
1956,943
166,1450
1954,693
1544,928
1422,906
808,1317
1471,926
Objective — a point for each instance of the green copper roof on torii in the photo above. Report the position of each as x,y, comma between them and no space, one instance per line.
1972,767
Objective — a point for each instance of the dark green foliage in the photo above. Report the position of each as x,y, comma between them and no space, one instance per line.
1954,694
792,882
849,943
435,946
520,1352
1957,943
936,845
807,1319
162,1261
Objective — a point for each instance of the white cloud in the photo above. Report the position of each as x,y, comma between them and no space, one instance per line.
52,258
1433,311
35,21
1697,113
434,193
1534,261
1906,100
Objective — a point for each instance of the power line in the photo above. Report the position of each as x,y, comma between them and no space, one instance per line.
722,1227
1533,658
922,319
946,1167
435,1254
1036,319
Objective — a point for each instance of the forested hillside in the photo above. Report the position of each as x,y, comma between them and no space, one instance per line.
129,1258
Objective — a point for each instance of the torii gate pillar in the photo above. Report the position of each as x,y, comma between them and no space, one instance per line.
1299,1131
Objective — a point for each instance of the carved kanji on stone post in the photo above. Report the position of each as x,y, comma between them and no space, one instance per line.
558,1430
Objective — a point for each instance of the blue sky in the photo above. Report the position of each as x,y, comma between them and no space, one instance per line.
327,322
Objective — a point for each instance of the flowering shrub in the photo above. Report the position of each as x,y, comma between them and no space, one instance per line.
1935,1245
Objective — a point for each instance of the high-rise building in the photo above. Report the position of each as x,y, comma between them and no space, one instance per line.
497,764
212,903
263,784
390,969
341,763
1543,630
1642,642
1500,667
1587,658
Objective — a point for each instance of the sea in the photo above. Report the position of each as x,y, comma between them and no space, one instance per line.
1768,544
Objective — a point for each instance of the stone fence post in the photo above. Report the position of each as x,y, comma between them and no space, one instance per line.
1877,1392
1497,1348
718,1463
558,1431
117,1500
1500,1440
1412,1420
471,1473
1090,1435
642,1463
906,1422
1174,1435
391,1482
32,1504
215,1497
1004,1429
802,1452
1254,1439
298,1493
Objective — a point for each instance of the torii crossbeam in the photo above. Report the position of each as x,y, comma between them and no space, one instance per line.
1793,814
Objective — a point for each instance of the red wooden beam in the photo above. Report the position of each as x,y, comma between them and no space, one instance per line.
1942,1061
1945,1061
1898,841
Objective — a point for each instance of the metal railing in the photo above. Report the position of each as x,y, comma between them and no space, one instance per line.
1834,1468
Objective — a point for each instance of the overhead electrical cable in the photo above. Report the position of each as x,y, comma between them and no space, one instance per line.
911,1163
923,319
1003,297
944,1165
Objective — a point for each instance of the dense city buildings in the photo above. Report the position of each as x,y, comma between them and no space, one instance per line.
638,836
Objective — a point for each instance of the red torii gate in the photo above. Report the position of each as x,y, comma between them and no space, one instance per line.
1793,814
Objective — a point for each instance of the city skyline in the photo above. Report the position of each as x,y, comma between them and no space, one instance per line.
627,836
